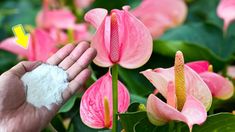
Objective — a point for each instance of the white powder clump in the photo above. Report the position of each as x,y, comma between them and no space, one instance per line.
44,85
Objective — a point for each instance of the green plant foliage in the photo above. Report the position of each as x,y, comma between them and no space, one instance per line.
129,119
69,104
222,122
201,11
198,41
7,60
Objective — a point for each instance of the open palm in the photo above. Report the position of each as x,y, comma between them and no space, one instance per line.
18,115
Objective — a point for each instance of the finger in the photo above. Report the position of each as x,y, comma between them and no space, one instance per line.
76,84
81,63
73,57
60,55
25,66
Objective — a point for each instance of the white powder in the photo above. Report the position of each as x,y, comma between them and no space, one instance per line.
44,85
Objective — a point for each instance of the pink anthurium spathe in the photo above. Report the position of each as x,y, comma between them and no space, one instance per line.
120,38
41,46
187,95
81,32
55,21
55,18
96,103
160,15
83,3
220,87
226,11
231,72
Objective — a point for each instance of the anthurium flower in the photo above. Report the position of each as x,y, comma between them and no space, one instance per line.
96,103
226,11
57,35
56,18
83,3
41,46
120,38
81,32
55,21
220,87
187,95
231,72
160,15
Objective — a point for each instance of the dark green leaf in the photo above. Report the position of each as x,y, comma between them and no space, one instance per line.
69,104
129,119
137,98
197,41
133,107
78,126
144,126
201,11
222,122
135,82
7,60
231,30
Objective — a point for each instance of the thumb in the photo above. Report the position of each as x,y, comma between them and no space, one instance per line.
25,66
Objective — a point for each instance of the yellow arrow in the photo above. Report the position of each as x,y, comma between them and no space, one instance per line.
22,39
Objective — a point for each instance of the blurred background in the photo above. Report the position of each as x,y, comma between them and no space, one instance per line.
193,26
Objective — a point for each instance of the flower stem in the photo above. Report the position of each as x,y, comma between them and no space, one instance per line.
115,96
70,35
171,126
178,127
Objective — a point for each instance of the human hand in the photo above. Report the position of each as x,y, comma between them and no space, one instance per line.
18,115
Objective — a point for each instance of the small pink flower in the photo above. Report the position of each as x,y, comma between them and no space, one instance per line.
120,38
160,15
220,87
231,72
56,21
226,11
41,46
57,35
96,104
187,95
55,18
83,3
81,32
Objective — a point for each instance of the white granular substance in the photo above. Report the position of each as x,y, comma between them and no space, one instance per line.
45,85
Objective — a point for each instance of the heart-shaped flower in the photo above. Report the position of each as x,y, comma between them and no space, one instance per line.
96,104
220,87
187,95
120,38
226,11
41,46
160,15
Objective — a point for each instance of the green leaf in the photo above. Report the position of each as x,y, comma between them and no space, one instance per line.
197,41
201,11
144,126
136,83
231,29
25,12
137,98
222,122
129,119
8,60
78,126
133,107
56,123
69,104
191,52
